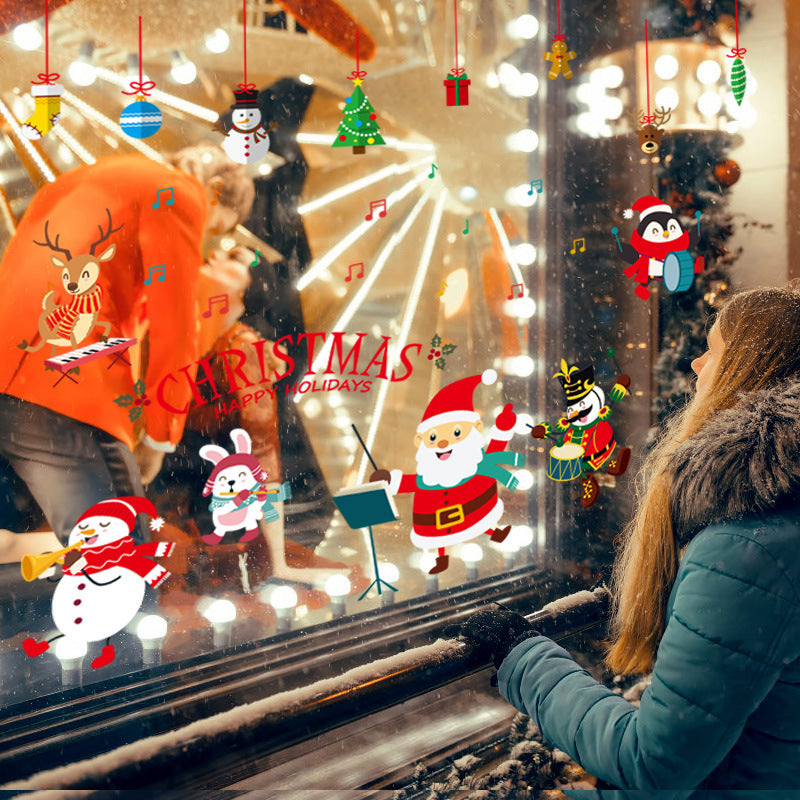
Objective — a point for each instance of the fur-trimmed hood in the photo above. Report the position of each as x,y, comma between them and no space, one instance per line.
745,460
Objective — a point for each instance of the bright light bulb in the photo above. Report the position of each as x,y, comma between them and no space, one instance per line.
666,67
67,649
708,72
528,85
283,597
427,561
520,307
518,196
218,41
492,81
305,79
183,71
522,535
747,116
524,27
521,366
709,103
151,627
337,586
666,98
613,76
471,553
524,141
388,571
82,73
523,421
467,194
524,253
610,107
220,611
590,93
524,479
27,36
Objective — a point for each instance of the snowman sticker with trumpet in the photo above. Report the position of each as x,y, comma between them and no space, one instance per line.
585,441
104,575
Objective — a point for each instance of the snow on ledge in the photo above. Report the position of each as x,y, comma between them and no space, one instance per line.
235,718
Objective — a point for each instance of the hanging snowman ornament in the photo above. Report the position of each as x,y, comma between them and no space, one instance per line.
104,577
248,140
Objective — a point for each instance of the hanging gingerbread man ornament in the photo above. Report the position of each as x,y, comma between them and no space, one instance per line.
561,54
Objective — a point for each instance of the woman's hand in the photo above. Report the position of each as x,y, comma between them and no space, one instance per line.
494,631
149,461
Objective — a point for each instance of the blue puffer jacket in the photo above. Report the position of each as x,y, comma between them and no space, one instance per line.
723,710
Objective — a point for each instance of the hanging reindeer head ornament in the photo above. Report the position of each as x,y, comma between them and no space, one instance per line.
650,129
69,324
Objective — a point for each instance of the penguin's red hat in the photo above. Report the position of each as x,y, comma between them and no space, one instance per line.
453,403
649,204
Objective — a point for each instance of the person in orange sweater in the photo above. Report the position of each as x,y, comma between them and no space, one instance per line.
73,275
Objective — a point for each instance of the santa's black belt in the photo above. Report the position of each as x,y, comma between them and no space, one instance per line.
600,453
455,515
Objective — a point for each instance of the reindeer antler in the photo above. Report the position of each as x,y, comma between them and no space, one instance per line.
103,236
635,118
662,116
51,245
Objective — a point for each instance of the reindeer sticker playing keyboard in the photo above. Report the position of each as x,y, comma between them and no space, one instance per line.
69,324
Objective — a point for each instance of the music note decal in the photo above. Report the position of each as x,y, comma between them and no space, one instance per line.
162,268
171,200
222,299
539,186
516,286
575,244
441,293
350,271
466,230
376,204
433,170
255,260
217,193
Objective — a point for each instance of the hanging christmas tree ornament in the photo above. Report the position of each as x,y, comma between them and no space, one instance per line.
738,72
359,126
561,55
46,93
140,119
248,140
457,82
650,129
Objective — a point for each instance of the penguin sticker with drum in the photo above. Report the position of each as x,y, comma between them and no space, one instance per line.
585,440
659,248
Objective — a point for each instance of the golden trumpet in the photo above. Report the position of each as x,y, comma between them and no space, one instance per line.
33,566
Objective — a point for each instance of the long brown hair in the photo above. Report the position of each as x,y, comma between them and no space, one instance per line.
761,333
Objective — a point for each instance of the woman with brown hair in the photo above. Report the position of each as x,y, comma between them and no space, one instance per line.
706,587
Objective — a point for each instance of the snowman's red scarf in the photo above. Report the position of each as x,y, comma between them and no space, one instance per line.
257,137
127,554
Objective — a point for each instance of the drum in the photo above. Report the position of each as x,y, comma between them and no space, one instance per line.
678,271
565,462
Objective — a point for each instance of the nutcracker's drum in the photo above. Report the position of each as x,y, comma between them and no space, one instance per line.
565,462
678,271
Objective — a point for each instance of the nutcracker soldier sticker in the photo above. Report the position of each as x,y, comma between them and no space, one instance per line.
585,440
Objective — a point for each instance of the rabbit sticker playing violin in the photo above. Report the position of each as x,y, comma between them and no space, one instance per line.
237,484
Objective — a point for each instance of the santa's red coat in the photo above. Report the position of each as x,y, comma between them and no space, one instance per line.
454,525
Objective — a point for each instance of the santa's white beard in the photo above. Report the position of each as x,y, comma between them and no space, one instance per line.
462,463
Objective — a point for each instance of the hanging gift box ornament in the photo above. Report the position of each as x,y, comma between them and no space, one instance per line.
457,88
140,119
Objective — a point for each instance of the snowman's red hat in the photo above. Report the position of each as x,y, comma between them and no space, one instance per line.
649,204
453,403
124,508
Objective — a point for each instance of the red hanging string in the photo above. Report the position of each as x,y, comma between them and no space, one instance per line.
46,76
559,35
245,86
649,119
737,52
141,86
357,73
457,70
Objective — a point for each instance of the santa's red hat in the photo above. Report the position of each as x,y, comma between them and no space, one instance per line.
453,403
648,204
124,508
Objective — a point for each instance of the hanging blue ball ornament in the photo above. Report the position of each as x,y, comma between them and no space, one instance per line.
140,119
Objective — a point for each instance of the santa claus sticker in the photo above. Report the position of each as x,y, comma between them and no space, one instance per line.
659,248
585,441
455,487
104,575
